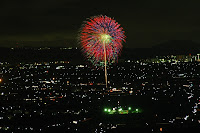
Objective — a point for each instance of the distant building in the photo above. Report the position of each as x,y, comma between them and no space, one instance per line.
181,57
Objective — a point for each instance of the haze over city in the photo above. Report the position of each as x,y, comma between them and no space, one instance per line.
146,23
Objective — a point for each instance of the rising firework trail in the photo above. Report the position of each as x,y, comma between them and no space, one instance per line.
101,40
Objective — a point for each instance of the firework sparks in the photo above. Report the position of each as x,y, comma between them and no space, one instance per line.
101,39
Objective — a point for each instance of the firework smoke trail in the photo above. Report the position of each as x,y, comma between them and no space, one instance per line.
101,40
105,62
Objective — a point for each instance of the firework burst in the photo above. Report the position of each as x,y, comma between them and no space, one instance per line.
100,35
101,39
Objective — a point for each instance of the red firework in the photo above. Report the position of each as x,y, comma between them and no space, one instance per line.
101,39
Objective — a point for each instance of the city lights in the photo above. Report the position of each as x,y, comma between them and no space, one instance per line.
99,66
78,91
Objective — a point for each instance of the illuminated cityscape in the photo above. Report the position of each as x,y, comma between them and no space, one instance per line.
162,92
99,66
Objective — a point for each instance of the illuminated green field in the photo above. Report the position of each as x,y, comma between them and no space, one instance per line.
117,110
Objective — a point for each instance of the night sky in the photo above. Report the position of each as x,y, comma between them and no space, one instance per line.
146,22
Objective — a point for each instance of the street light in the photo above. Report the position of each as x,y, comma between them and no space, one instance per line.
120,109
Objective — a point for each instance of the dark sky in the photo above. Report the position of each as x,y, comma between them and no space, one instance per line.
146,22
